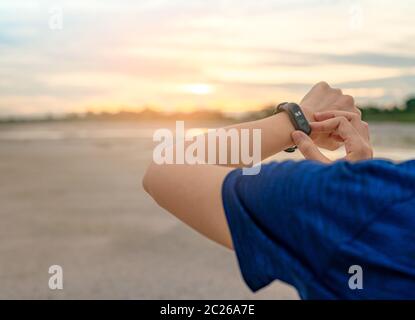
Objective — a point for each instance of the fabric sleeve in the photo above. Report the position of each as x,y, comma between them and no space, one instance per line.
287,221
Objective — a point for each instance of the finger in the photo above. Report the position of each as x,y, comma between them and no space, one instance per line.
360,152
356,147
354,118
359,149
326,140
308,148
326,126
338,126
365,126
321,116
336,137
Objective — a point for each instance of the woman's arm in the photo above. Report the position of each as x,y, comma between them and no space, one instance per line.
192,192
224,146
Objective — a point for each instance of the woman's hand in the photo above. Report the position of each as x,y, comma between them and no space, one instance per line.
322,98
341,126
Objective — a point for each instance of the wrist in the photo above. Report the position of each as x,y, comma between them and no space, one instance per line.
282,128
296,115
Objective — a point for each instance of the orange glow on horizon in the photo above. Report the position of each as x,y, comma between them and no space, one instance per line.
202,59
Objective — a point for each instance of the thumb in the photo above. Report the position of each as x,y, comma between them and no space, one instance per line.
307,147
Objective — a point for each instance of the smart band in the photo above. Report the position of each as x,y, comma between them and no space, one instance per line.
297,118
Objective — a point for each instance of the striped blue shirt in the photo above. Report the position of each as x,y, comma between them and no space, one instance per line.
310,224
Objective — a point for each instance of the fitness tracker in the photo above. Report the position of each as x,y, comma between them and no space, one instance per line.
297,118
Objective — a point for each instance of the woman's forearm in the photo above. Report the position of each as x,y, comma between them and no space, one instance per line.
261,138
192,192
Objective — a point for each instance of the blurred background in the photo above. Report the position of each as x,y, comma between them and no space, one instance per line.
84,85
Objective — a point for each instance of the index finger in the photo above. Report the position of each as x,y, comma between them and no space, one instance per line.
353,141
354,118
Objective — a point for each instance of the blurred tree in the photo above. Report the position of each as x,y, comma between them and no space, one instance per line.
410,105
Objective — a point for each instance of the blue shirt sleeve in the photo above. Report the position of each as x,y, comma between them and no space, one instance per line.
288,221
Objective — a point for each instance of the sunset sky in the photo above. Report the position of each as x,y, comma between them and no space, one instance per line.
232,55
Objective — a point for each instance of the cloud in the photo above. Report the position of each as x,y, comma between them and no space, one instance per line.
382,90
375,59
405,81
135,52
371,59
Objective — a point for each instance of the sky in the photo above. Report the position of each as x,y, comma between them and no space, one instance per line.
184,55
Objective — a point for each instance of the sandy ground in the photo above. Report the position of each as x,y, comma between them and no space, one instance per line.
71,195
78,202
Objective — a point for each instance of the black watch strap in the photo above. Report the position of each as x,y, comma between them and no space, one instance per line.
297,118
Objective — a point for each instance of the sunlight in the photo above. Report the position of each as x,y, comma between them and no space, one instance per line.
198,89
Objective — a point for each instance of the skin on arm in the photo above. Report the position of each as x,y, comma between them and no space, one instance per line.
275,136
192,192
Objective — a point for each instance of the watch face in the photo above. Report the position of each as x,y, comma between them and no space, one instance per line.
300,119
301,122
296,115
